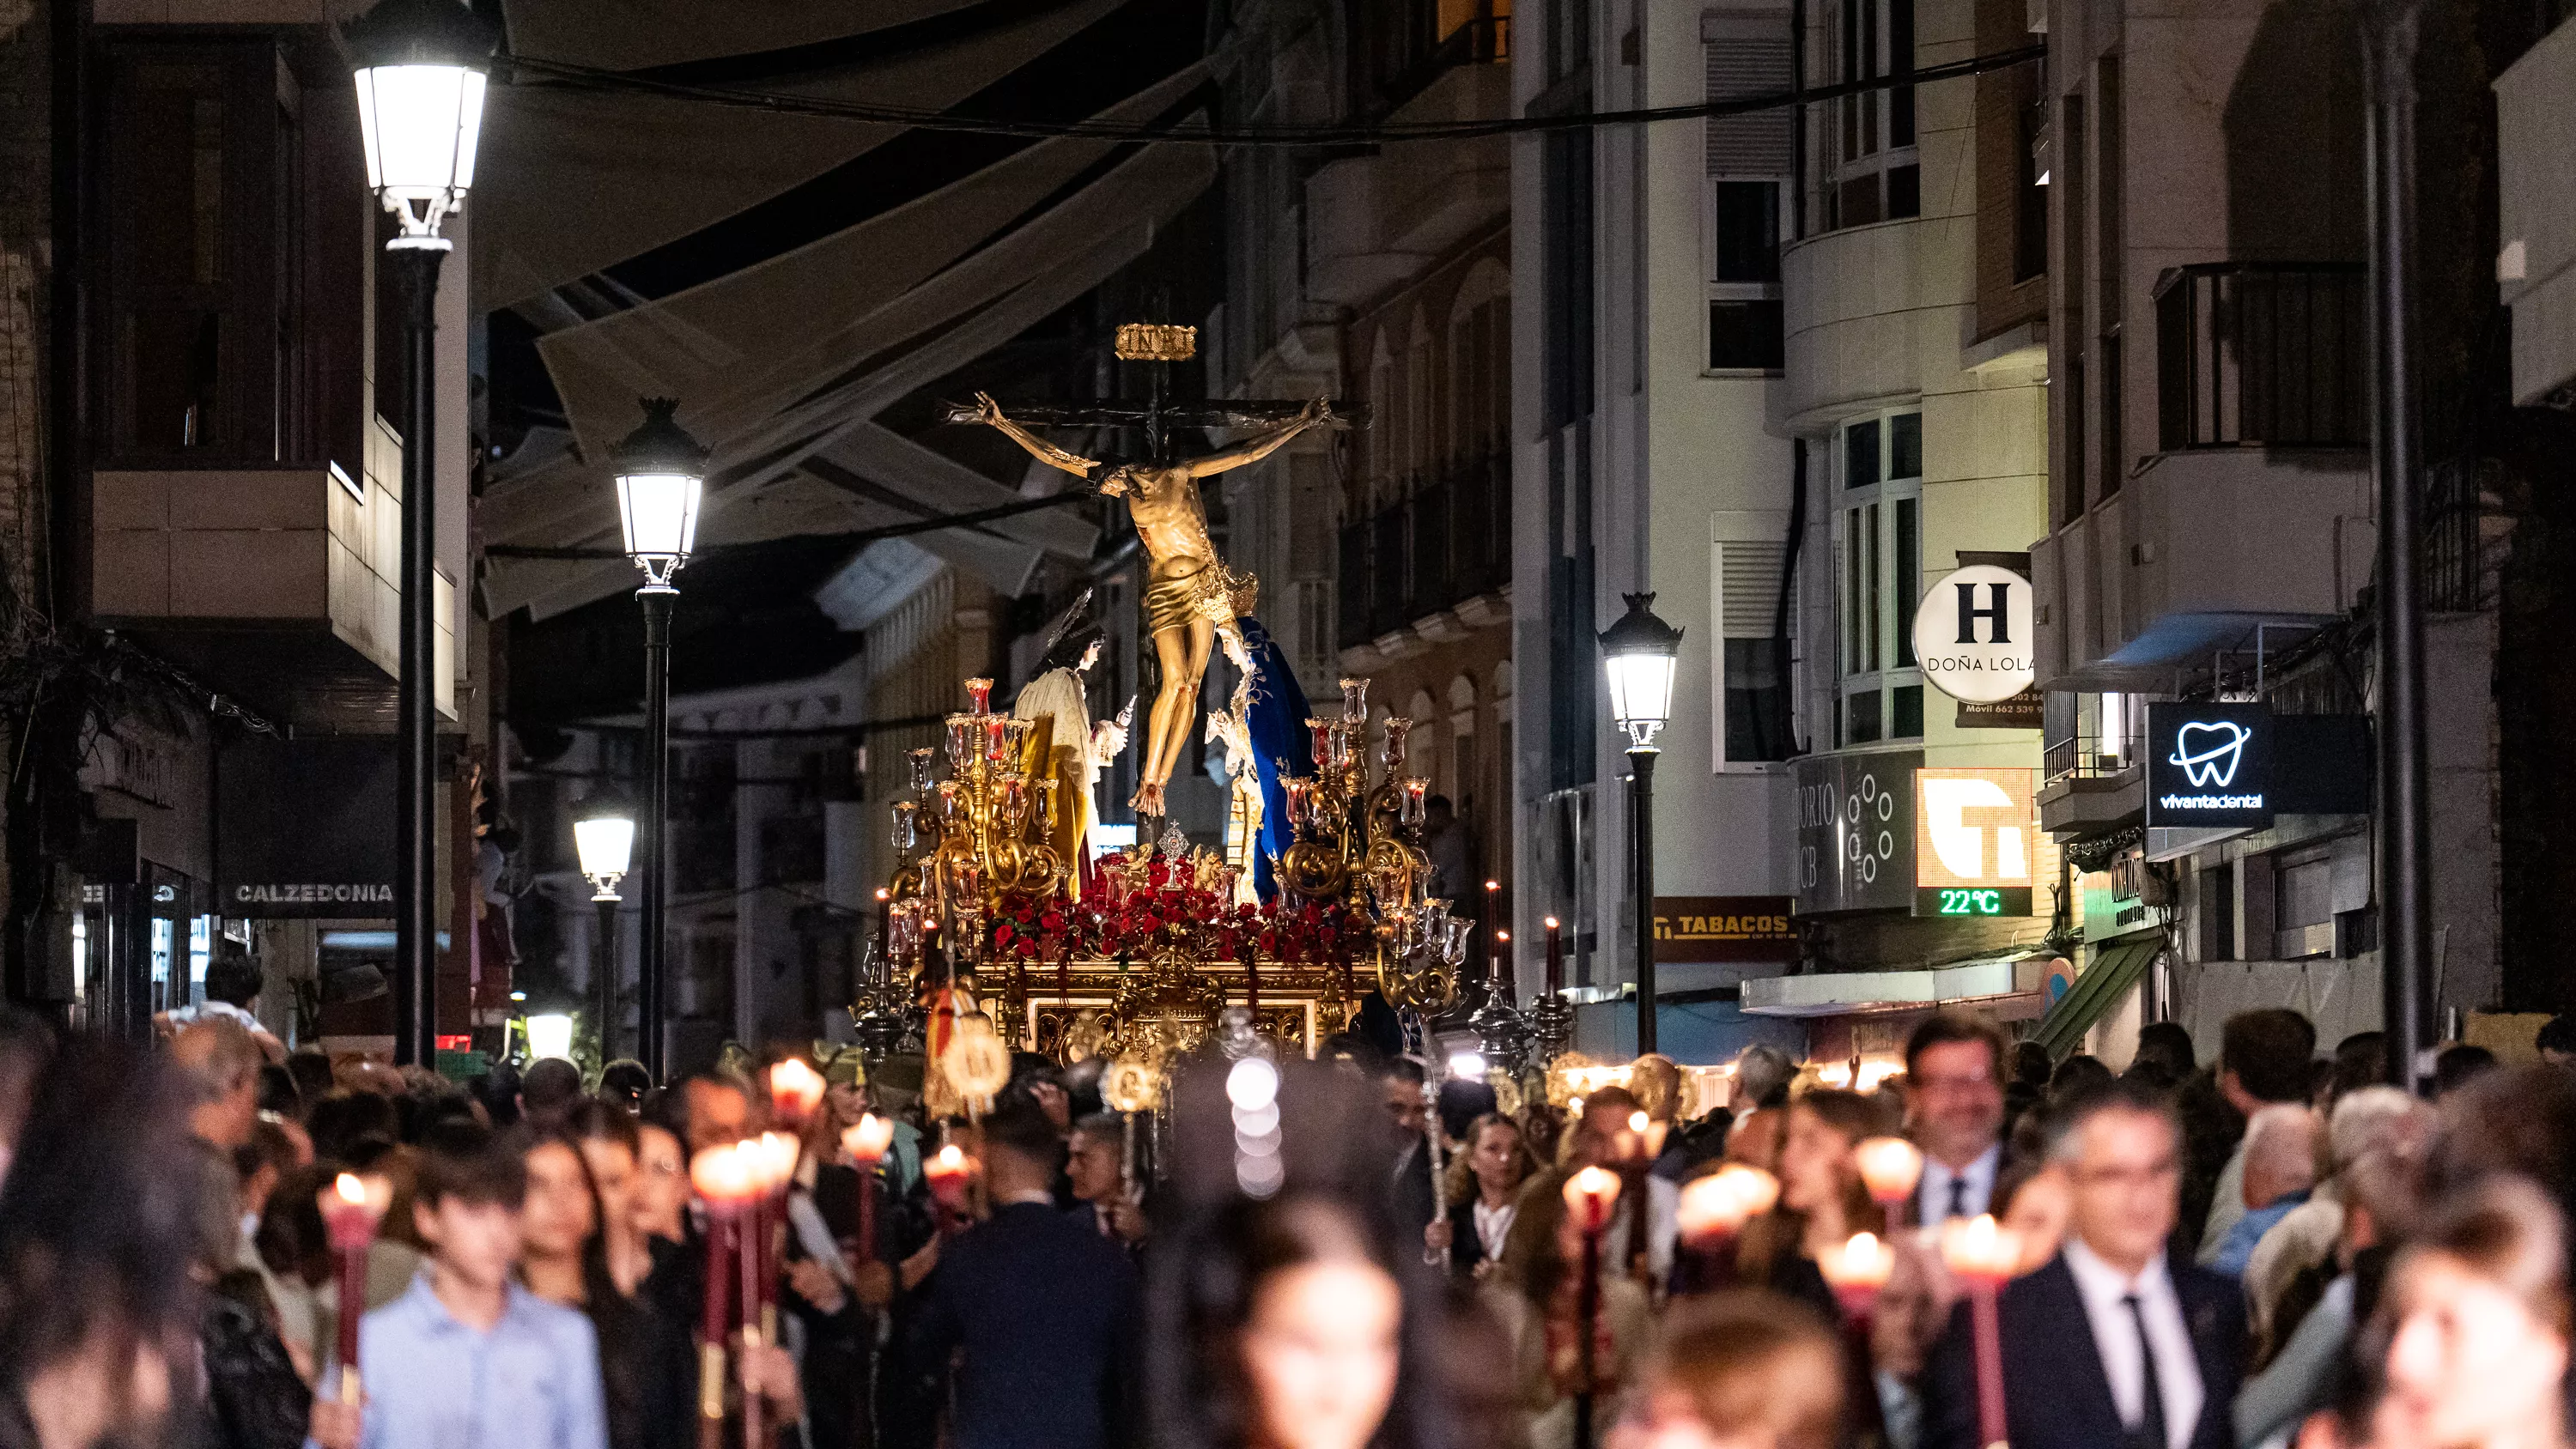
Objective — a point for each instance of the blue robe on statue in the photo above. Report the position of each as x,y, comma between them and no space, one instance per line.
1279,736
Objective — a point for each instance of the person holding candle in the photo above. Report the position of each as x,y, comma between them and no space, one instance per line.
430,1356
2116,1341
1823,1199
1954,1110
1538,1294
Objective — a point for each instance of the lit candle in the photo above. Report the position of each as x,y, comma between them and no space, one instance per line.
1716,1207
724,1182
1857,1270
867,1143
351,1208
795,1090
1982,1256
949,1174
1890,1166
1589,1197
1555,958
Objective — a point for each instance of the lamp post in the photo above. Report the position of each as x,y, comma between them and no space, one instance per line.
1640,652
660,475
604,836
420,70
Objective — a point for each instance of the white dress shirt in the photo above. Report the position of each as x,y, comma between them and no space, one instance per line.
1493,1225
2104,1290
1932,1195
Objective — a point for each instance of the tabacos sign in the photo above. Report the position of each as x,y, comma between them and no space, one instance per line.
1972,634
2209,766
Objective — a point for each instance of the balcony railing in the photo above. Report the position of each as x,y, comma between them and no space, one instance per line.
2261,354
1448,542
2089,756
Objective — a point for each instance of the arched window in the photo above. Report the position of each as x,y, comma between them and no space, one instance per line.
1480,364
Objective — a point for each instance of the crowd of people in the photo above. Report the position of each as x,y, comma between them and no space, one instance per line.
2269,1249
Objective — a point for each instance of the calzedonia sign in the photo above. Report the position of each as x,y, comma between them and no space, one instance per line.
2209,766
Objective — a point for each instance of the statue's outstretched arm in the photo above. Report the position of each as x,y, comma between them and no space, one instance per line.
1262,444
1038,448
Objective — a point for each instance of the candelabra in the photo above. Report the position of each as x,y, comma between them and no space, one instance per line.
988,823
1364,846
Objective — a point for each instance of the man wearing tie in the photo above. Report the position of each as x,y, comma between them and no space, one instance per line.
2114,1342
1954,1095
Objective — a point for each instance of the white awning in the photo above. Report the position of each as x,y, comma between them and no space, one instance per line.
640,34
573,180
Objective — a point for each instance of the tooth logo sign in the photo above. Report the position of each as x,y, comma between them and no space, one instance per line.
2210,752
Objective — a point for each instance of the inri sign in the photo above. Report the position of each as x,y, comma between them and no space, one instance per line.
1972,634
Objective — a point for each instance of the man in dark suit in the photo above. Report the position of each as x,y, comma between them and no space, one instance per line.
1412,1194
1038,1307
2115,1343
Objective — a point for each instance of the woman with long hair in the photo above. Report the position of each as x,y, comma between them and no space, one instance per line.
564,1258
98,1321
1482,1191
1822,1198
1298,1317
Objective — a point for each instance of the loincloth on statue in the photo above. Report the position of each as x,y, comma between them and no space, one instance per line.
1212,592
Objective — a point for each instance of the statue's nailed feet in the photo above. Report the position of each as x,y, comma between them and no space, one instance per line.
1149,800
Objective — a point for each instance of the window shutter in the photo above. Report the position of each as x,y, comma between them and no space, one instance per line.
1748,581
1748,57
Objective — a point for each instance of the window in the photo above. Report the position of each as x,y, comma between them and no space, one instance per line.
2218,912
1753,679
228,261
1880,552
1745,321
1872,171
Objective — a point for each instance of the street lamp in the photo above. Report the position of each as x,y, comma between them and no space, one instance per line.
1640,652
660,475
420,68
604,836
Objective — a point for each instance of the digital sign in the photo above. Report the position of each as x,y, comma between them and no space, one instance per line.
1972,900
2209,766
1975,830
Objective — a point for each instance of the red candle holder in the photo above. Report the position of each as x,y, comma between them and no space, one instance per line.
727,1182
867,1143
1890,1167
795,1090
950,1174
352,1206
1712,1210
1983,1257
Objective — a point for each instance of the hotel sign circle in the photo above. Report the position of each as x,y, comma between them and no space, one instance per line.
1972,634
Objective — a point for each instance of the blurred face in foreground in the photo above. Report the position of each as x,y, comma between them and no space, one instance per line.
2469,1364
557,1218
1320,1354
661,1183
2127,1175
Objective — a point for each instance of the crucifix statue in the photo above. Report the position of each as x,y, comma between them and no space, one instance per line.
1191,598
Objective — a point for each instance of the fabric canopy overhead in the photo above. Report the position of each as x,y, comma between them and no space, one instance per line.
781,367
572,180
642,34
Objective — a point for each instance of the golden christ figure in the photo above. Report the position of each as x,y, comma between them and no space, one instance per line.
1191,598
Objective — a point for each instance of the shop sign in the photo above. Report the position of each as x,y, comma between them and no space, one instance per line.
1976,831
305,828
1723,928
1856,831
1972,634
2209,766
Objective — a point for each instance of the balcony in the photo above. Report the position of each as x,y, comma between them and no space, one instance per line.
1415,564
2091,782
280,584
2257,507
1374,220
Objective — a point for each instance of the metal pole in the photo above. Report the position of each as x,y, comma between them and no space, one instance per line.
1641,817
604,966
415,262
2405,863
651,992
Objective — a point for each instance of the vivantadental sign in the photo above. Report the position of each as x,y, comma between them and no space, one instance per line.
1972,634
2209,766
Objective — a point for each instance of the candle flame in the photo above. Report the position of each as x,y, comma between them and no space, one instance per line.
794,1087
1590,1194
724,1175
867,1142
1979,1249
1891,1166
1863,1262
1551,923
351,1190
1721,1203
